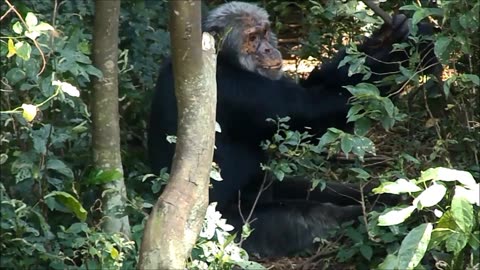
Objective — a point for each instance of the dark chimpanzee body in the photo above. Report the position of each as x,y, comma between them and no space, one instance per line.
252,88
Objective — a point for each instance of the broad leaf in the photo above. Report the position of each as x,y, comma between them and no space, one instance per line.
395,216
448,175
462,212
414,246
397,187
70,202
430,196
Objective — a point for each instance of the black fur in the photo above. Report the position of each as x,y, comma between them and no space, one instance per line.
285,221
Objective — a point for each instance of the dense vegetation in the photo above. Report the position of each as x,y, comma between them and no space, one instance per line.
426,145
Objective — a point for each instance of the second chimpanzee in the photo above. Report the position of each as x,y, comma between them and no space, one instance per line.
251,88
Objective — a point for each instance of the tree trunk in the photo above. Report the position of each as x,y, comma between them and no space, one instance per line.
176,219
105,116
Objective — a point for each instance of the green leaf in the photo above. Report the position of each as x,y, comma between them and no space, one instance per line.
366,252
430,196
40,137
328,137
441,46
388,106
15,75
361,173
70,202
389,263
279,174
414,246
462,212
362,126
77,228
407,72
354,110
346,143
101,177
249,265
363,89
362,145
456,241
17,28
23,50
395,216
31,20
60,167
410,158
473,78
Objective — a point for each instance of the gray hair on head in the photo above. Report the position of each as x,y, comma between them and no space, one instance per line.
229,21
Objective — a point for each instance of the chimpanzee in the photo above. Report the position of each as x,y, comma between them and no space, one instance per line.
251,88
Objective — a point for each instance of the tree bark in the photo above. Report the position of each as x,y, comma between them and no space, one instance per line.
176,219
105,115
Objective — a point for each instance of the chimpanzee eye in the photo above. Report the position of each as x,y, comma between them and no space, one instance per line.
252,37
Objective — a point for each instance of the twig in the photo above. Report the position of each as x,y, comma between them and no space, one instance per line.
6,13
44,61
248,220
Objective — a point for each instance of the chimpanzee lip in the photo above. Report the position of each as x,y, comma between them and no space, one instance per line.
272,66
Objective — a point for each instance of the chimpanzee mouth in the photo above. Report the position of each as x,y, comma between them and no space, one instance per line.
278,66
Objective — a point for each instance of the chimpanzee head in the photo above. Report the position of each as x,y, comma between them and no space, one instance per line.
244,32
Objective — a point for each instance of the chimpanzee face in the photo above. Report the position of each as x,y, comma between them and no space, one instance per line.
243,31
259,51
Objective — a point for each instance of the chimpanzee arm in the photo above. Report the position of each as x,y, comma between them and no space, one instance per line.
380,58
246,100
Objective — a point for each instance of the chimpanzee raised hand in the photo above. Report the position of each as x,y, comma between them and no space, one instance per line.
252,88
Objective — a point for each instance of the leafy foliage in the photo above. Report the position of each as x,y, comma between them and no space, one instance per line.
50,193
216,248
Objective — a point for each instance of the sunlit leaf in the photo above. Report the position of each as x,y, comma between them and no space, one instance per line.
395,216
397,187
32,34
430,196
215,175
11,48
389,263
70,202
29,112
17,28
31,20
414,246
446,174
114,253
101,177
456,241
23,50
462,211
67,88
42,26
